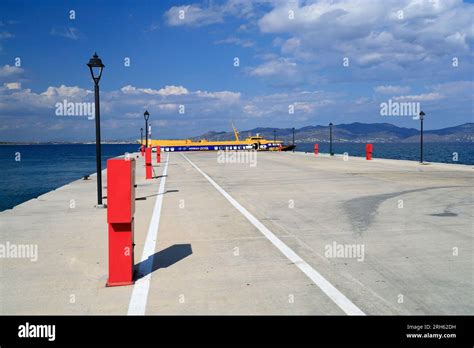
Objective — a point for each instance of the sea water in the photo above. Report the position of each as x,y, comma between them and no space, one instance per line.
28,171
455,153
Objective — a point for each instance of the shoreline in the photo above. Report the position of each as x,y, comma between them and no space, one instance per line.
296,142
91,143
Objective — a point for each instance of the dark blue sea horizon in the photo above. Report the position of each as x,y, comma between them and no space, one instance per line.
432,152
43,168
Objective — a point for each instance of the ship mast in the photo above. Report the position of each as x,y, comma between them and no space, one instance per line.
236,133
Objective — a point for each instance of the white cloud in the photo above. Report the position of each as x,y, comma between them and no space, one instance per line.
362,100
166,91
7,70
290,45
172,90
391,89
196,15
313,14
236,41
129,89
455,88
192,15
368,32
26,101
4,35
279,67
129,102
458,39
225,96
67,32
133,115
243,27
370,58
371,35
12,85
253,110
357,18
177,93
65,92
420,97
276,106
168,107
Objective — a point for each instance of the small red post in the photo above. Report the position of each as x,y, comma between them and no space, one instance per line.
158,154
120,218
148,167
279,147
316,149
368,151
142,150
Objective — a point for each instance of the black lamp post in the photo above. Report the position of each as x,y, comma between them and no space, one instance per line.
95,65
330,140
293,139
141,136
146,115
422,114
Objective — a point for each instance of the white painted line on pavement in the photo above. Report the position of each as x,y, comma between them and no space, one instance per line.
335,295
139,297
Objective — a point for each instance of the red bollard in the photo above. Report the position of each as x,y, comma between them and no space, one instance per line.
279,147
158,154
316,149
148,162
142,150
368,151
120,211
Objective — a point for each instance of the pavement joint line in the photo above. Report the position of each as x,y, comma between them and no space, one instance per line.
332,292
138,300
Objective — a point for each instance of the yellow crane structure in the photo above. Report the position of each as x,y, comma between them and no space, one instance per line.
255,142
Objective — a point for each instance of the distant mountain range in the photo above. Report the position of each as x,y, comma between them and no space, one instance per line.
355,132
352,132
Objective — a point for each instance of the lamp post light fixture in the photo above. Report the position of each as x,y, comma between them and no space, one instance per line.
146,115
422,116
330,139
95,65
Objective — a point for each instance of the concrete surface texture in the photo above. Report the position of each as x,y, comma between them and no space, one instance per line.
280,233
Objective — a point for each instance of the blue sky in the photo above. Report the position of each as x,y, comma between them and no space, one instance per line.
182,55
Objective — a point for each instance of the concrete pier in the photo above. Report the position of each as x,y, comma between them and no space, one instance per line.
288,234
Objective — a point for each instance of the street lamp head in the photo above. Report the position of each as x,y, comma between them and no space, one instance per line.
141,129
330,124
96,67
422,114
146,114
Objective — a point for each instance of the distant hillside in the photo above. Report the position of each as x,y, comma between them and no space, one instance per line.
355,132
